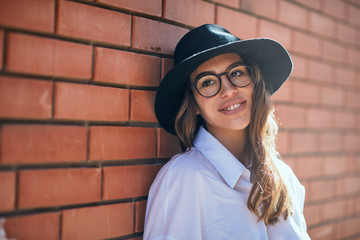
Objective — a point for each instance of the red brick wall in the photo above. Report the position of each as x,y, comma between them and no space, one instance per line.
80,144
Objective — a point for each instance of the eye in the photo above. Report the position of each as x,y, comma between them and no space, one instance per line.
207,82
236,73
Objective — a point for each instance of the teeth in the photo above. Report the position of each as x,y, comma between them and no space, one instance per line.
232,107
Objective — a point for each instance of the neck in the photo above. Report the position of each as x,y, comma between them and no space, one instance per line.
233,140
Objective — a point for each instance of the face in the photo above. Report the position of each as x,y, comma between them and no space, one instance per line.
230,108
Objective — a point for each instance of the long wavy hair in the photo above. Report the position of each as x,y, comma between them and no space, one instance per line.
269,198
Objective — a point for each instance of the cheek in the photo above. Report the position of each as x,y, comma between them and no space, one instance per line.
203,104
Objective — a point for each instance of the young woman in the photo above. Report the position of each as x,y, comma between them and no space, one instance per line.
229,183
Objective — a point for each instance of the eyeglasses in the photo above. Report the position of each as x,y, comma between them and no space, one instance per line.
208,84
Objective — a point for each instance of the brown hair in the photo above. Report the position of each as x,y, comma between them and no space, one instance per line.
269,198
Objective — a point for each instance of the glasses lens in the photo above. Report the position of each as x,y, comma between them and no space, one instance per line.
208,85
239,76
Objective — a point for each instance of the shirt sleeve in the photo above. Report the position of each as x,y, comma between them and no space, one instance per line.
294,227
173,205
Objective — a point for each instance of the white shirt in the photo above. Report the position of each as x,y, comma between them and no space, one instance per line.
202,194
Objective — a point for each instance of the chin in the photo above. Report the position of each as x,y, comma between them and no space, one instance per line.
232,125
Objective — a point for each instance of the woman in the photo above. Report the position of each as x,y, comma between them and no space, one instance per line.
229,182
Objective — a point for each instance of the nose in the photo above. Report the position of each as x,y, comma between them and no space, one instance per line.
227,89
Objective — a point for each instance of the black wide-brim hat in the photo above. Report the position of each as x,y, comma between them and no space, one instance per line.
205,42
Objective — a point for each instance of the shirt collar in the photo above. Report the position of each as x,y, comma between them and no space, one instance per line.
219,156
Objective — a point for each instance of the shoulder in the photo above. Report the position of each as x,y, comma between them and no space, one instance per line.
285,171
186,163
183,169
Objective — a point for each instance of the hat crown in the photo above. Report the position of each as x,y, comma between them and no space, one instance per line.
200,39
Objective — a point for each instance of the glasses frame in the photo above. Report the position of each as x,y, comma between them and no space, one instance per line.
249,73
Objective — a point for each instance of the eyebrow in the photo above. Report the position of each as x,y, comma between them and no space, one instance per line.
227,69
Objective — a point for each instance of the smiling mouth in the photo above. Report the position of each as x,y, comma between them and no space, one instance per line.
232,107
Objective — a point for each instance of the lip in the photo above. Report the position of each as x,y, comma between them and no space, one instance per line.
231,102
242,106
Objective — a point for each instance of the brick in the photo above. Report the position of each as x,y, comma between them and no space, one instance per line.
153,7
332,96
321,71
128,68
1,48
323,232
334,8
335,165
322,189
140,216
349,206
284,94
128,181
348,185
90,22
357,205
307,167
79,101
25,98
54,187
357,79
37,15
351,142
346,33
315,4
354,15
111,143
348,227
99,222
282,142
225,17
27,143
303,142
155,36
317,118
266,8
229,3
306,44
190,12
293,15
345,120
334,52
142,106
305,93
354,58
312,214
44,226
330,142
7,191
345,77
300,68
352,99
168,145
322,25
290,116
334,209
275,31
353,163
166,65
45,56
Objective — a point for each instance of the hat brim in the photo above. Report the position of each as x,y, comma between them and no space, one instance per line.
273,59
